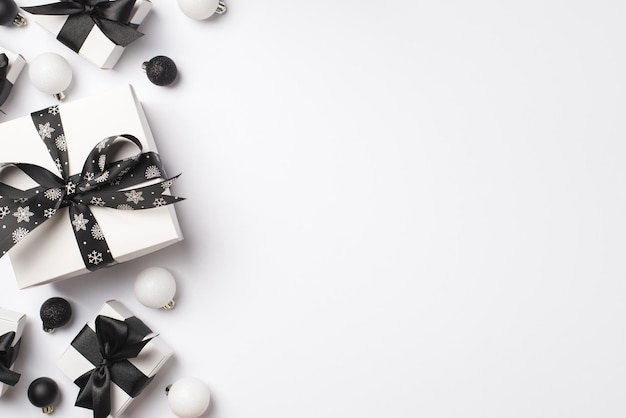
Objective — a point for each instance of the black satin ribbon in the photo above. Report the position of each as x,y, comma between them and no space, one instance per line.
108,349
5,85
101,183
111,17
8,355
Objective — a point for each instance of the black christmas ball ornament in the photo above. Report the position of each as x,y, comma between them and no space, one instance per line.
55,312
9,14
43,392
161,70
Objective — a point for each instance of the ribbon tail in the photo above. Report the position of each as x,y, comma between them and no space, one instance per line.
5,85
5,90
119,33
35,210
119,10
95,391
4,65
8,354
146,197
8,376
92,244
60,8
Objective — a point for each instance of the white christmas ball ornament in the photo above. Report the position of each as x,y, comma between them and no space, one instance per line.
201,9
155,287
188,397
50,73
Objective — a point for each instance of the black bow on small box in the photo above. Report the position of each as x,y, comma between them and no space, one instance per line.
8,355
5,84
108,349
111,16
100,183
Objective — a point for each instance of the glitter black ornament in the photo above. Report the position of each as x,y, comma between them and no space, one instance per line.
43,393
160,70
55,312
9,14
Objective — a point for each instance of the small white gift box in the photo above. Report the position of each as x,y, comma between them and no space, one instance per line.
16,65
137,371
95,46
49,251
11,321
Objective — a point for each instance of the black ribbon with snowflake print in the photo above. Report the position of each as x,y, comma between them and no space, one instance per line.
136,182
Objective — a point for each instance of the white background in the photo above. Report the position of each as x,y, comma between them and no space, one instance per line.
401,209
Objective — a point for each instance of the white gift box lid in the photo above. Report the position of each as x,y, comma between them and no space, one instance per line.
50,252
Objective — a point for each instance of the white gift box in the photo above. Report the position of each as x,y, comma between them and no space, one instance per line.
97,48
11,321
50,252
151,358
16,65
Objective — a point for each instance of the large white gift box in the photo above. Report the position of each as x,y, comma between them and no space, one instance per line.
11,321
96,47
146,364
16,65
50,252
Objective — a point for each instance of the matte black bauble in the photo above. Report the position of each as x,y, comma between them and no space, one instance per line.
9,14
43,392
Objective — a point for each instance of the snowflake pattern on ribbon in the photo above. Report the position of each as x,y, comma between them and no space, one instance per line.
70,187
101,162
96,232
61,143
117,185
102,177
134,196
80,223
45,131
95,257
152,172
97,201
23,214
53,194
19,234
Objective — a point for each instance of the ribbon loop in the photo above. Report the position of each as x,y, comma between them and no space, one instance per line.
111,16
5,85
4,66
8,355
117,184
108,349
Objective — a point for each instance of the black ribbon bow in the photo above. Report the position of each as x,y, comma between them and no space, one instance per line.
111,16
8,355
5,85
100,183
108,349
